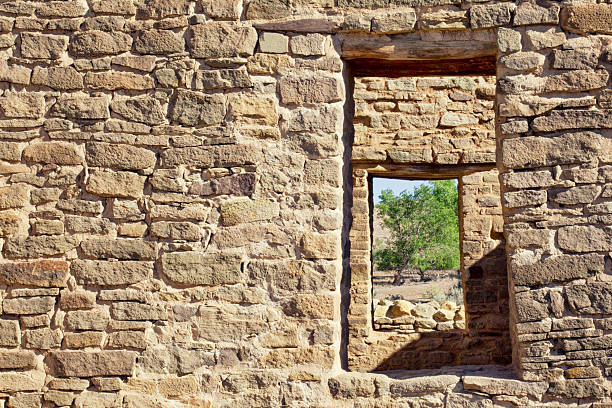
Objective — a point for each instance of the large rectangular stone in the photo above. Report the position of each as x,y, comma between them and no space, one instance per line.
212,156
119,156
91,364
573,119
196,268
585,238
590,298
559,268
44,273
588,18
11,360
310,90
115,184
110,273
222,40
13,196
119,248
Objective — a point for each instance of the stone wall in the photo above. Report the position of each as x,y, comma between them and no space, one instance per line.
175,198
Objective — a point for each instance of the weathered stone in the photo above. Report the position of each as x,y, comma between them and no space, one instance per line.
223,79
591,298
498,386
197,109
120,7
91,364
508,40
323,172
21,381
531,152
80,107
222,9
222,40
42,46
22,105
60,78
530,14
53,152
458,119
139,109
393,23
163,8
254,110
426,384
585,238
196,268
587,388
138,311
124,249
39,246
122,157
320,246
239,184
309,90
267,9
10,223
44,273
11,360
9,337
529,308
96,319
77,300
42,339
577,195
13,196
15,74
159,42
176,231
96,43
575,81
308,45
28,306
575,59
588,18
523,61
572,119
123,184
118,80
491,15
245,210
273,43
545,37
524,198
213,156
559,268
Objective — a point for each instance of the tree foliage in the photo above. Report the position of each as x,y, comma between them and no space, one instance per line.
424,226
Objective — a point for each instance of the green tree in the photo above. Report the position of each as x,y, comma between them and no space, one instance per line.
424,226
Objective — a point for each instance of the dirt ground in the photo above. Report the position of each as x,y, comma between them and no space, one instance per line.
412,291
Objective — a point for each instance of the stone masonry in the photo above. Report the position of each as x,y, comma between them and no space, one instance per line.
179,182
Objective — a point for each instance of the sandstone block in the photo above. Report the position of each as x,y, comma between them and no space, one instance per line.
160,9
119,7
573,119
587,388
39,246
452,119
323,172
577,195
122,184
491,15
575,81
61,153
222,40
10,151
10,337
113,81
591,298
508,40
426,384
91,364
129,339
268,9
80,107
59,78
176,231
585,238
523,61
320,246
142,109
138,311
76,300
524,198
96,319
44,273
394,23
98,43
528,179
195,268
244,210
197,109
10,223
14,73
545,37
531,14
43,46
505,386
28,306
21,381
13,196
119,248
23,105
222,9
310,90
83,339
575,59
124,157
273,43
308,45
110,273
173,387
531,152
213,156
159,42
42,339
254,110
223,79
529,308
11,360
311,306
588,18
238,184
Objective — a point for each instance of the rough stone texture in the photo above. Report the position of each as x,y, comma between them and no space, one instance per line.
180,226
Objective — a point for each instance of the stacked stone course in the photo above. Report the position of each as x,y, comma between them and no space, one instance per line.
171,200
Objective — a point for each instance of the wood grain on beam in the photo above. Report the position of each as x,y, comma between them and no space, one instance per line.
410,68
419,172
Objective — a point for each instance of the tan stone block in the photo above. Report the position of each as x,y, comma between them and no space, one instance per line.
97,43
96,319
244,210
10,224
119,156
12,360
13,196
10,336
222,40
320,246
139,109
23,105
23,400
159,42
83,339
254,110
28,306
310,90
90,399
118,80
79,107
77,300
588,18
176,231
195,108
127,340
42,273
42,339
115,184
59,398
91,364
138,311
14,73
119,248
222,9
172,387
43,46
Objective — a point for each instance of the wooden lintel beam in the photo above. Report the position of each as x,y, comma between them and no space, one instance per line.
420,172
365,67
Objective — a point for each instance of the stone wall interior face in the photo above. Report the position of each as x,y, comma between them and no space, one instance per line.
179,208
422,128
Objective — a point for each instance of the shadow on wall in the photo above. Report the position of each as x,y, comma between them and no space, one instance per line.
486,339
